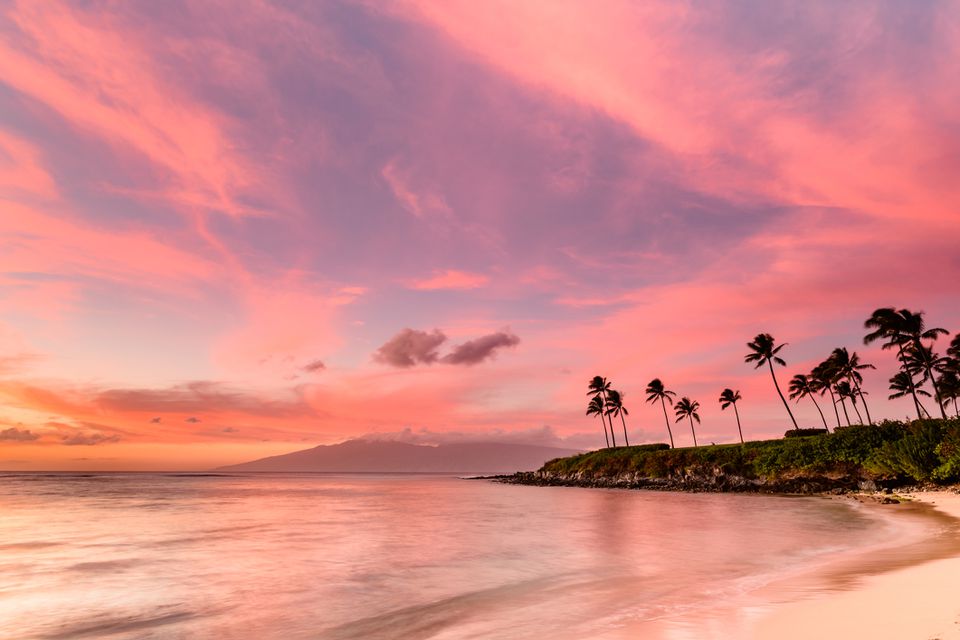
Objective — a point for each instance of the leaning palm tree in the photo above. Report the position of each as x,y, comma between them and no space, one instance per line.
849,366
923,361
656,391
890,325
844,391
595,408
949,384
615,408
824,376
687,408
730,397
902,384
915,329
802,386
599,387
763,351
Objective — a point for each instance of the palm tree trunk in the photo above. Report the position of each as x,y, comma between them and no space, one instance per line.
955,410
774,376
862,399
613,438
739,430
625,439
820,412
853,401
933,381
929,417
606,438
667,420
936,392
693,431
845,414
913,390
833,399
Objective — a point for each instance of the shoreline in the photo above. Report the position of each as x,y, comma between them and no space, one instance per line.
904,589
910,593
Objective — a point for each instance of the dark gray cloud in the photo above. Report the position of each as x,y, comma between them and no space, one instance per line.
314,366
14,434
229,430
193,420
88,439
480,349
157,420
411,347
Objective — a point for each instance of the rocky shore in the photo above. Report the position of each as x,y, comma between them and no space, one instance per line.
716,482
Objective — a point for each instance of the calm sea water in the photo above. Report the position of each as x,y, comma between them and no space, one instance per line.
371,556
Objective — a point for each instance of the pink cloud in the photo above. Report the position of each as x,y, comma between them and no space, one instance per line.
451,279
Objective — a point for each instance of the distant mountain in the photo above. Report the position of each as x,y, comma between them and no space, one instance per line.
383,455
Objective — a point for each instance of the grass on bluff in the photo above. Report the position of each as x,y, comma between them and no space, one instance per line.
919,451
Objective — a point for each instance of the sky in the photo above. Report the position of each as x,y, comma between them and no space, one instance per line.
235,230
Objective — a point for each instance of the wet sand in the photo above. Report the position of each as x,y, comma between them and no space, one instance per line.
902,589
918,599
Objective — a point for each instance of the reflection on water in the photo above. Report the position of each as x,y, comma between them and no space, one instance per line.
371,556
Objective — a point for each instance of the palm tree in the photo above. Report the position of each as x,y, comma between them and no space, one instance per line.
915,329
824,377
844,391
890,325
595,408
954,349
730,397
849,367
901,384
687,408
764,351
598,387
615,408
949,384
922,360
656,391
801,386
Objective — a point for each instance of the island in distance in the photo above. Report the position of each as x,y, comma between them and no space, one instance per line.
358,456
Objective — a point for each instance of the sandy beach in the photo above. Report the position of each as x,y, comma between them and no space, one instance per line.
919,601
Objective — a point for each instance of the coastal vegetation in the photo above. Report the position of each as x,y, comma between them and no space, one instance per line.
886,454
840,376
857,451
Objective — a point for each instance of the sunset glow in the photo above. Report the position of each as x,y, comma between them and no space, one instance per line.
228,233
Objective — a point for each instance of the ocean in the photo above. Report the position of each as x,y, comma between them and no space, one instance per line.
351,556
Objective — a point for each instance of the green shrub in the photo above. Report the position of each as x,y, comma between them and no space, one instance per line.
802,433
913,456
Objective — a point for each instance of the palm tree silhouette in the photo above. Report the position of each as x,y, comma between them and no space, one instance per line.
949,384
801,386
954,349
730,397
824,377
763,351
844,391
595,408
923,361
902,384
598,388
915,328
848,366
615,408
656,391
687,408
889,325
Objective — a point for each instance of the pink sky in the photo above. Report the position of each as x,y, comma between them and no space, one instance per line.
231,232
